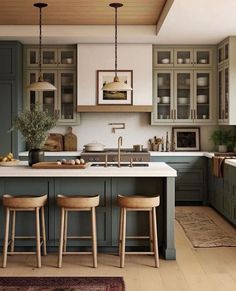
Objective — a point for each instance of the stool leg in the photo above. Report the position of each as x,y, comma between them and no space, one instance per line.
65,230
151,231
122,258
13,227
61,237
155,241
94,237
43,231
5,246
120,230
38,238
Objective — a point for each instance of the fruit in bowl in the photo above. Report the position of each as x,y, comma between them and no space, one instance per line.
8,160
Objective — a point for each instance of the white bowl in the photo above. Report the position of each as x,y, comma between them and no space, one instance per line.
202,98
160,81
67,98
182,100
202,81
165,61
180,61
187,61
202,61
165,99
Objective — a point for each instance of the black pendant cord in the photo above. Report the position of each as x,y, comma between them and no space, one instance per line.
40,43
116,42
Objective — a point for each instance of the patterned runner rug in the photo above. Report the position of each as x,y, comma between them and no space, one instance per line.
62,284
202,231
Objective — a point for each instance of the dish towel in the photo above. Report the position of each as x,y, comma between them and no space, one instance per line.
218,165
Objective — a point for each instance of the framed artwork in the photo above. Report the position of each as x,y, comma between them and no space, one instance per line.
110,97
186,138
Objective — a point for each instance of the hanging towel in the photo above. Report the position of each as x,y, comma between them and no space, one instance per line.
218,165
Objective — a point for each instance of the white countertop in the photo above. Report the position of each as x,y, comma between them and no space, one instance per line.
179,154
54,154
155,169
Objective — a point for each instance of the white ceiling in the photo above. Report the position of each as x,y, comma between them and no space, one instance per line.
188,22
198,22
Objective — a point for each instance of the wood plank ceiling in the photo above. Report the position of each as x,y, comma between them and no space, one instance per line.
81,12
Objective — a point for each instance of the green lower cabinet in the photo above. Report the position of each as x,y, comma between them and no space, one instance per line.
79,223
190,181
25,221
138,221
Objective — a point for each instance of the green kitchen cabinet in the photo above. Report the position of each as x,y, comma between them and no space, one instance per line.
191,184
86,186
10,94
25,221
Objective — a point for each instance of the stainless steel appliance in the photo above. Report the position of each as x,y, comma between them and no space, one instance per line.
112,155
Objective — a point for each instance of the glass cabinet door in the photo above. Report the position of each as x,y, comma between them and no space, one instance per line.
32,57
183,57
202,96
49,57
221,94
48,98
183,94
67,57
164,96
67,94
32,96
202,57
226,94
163,57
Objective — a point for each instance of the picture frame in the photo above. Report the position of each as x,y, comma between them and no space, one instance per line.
186,138
114,98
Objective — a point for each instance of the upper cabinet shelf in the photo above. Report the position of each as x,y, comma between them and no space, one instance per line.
184,86
58,68
182,57
226,81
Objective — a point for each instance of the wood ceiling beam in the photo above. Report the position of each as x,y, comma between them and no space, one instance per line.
164,12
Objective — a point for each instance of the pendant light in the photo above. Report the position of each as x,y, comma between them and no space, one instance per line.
41,85
116,85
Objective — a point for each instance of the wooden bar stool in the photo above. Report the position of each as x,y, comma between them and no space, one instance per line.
13,204
138,203
77,203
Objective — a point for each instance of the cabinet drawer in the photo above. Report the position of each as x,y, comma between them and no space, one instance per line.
188,193
189,176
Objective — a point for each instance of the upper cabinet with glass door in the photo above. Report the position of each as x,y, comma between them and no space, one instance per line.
182,56
59,69
51,56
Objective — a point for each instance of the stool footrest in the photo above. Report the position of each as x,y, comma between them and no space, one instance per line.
139,209
139,253
79,237
137,237
76,253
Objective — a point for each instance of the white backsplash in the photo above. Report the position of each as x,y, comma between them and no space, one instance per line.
94,127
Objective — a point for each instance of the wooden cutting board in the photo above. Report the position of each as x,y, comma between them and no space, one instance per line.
70,140
54,165
54,143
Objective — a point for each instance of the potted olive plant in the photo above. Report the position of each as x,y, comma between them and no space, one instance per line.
34,125
222,139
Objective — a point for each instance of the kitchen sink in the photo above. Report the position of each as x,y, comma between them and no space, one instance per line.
121,164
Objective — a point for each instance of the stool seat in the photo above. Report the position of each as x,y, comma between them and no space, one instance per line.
138,201
77,201
14,204
23,201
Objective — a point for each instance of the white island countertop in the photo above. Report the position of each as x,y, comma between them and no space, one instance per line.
155,169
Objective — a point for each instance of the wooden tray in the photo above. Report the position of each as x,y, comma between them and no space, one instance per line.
54,165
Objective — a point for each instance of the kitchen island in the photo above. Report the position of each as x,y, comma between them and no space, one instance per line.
108,182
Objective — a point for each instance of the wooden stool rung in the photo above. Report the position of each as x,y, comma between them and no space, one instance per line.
77,253
21,253
137,237
139,253
79,237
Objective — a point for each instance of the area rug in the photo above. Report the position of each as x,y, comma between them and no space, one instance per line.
201,230
62,284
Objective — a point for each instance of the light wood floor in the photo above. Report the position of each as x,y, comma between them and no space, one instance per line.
195,269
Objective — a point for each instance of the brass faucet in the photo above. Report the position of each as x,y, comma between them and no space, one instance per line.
119,145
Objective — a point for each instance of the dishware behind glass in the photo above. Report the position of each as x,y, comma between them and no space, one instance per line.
180,61
187,61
